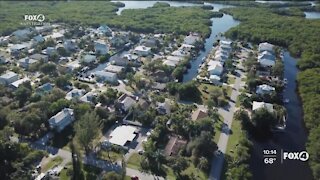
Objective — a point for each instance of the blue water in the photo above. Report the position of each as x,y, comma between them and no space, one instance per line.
312,15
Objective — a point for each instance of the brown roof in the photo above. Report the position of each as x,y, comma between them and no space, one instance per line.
174,145
199,114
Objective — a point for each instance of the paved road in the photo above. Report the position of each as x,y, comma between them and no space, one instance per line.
142,176
227,114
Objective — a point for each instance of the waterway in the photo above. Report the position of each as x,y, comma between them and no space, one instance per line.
292,140
312,15
294,137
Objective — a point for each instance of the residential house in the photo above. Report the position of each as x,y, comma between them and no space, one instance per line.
70,45
26,62
41,29
3,60
61,119
159,86
266,47
164,107
123,135
200,113
18,49
44,88
22,34
125,60
150,42
125,102
89,97
74,93
73,65
258,105
38,39
88,58
264,89
14,85
103,30
142,51
215,68
40,57
4,40
106,76
160,76
174,145
49,51
55,36
8,78
266,59
101,47
191,39
170,63
214,79
114,68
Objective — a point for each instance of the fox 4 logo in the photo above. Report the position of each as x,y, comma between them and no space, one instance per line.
302,156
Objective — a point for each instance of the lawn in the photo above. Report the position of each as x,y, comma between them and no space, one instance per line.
228,89
234,137
196,172
205,93
114,156
134,161
52,163
217,130
231,79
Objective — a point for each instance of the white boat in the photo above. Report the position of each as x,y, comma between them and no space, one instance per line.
286,100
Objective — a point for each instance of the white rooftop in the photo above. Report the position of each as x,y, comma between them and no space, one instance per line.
122,134
142,48
20,81
258,105
8,75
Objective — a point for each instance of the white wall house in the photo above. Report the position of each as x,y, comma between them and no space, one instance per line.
26,62
264,89
106,76
75,93
88,58
215,68
266,59
142,51
258,105
101,47
266,47
61,119
8,78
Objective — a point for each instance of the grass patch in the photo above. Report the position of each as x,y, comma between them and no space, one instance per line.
114,156
134,161
217,128
228,90
231,80
196,172
205,91
52,163
234,137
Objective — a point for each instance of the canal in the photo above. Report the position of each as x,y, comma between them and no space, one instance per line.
292,140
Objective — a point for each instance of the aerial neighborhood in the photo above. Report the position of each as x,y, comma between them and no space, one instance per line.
101,101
